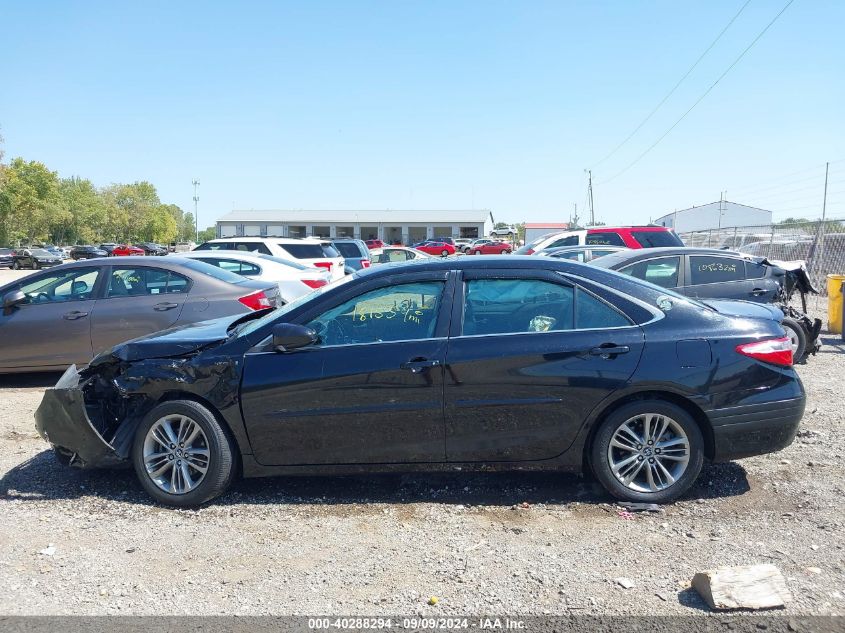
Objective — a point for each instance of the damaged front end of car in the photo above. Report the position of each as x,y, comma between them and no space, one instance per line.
90,416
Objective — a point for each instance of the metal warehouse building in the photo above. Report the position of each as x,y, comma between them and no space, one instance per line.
388,225
719,214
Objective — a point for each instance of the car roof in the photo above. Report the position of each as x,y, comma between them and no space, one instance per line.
636,254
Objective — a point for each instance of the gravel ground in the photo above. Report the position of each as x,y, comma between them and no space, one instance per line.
92,543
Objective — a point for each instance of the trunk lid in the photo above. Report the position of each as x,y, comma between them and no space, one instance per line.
746,309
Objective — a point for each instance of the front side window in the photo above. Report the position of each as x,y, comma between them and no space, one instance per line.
138,282
76,284
708,270
605,239
662,271
507,306
396,313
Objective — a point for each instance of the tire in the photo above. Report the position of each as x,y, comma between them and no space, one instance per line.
196,488
680,426
507,252
16,265
444,253
797,337
36,266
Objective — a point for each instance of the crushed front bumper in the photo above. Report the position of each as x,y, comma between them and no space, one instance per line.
62,420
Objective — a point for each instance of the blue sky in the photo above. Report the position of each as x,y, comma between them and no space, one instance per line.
431,105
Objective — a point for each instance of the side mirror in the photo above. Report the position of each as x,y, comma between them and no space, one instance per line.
13,298
289,336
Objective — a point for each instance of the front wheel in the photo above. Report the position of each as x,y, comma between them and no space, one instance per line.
35,265
181,454
507,251
444,253
797,338
649,451
16,266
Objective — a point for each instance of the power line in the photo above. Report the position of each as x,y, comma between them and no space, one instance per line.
779,179
701,98
675,87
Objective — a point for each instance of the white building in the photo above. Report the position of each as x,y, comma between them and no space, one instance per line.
715,215
388,225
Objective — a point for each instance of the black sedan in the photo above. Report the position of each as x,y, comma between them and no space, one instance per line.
151,248
35,258
86,252
108,247
473,364
706,273
66,315
6,257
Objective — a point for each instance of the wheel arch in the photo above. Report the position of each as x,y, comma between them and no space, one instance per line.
686,404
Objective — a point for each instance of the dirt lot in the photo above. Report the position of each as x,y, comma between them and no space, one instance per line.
92,543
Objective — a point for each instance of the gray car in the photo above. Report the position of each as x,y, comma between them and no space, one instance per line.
66,315
355,253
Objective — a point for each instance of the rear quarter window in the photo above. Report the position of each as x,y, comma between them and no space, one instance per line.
605,239
652,239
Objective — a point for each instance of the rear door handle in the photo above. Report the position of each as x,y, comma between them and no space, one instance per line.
608,349
758,291
416,366
161,307
74,315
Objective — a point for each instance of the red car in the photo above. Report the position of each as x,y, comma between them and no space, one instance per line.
122,250
437,248
371,244
491,248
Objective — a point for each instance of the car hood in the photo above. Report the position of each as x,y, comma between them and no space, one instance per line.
745,309
177,341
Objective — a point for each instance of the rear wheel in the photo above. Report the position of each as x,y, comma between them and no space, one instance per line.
35,265
650,451
797,338
507,251
16,265
444,253
182,455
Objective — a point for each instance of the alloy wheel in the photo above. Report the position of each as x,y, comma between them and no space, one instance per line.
176,454
648,452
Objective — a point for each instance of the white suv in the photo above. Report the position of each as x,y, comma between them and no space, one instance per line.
310,251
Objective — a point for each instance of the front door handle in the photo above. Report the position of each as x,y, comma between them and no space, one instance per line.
416,366
609,350
758,291
74,315
167,305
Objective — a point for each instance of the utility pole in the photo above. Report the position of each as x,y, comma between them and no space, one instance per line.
592,210
196,184
818,260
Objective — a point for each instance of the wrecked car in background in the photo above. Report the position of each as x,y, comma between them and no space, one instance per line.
470,364
708,274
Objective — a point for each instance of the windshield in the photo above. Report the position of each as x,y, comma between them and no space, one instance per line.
249,327
212,271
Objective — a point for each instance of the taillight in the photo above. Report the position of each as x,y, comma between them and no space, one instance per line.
326,265
530,251
314,283
365,263
777,351
256,301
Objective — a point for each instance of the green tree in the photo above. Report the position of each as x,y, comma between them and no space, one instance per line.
29,201
208,234
159,225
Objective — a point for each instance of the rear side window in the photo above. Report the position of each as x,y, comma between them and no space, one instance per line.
662,271
605,239
305,251
505,306
134,282
652,239
235,266
711,270
349,249
199,266
252,247
572,240
592,313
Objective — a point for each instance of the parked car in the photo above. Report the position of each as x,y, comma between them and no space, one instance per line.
355,253
706,274
463,242
108,247
6,258
491,248
374,243
531,363
54,250
437,248
466,248
505,231
151,248
625,236
181,247
581,253
294,279
86,252
309,251
34,258
390,254
63,316
125,250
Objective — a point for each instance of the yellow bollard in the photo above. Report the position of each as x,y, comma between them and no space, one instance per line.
834,303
